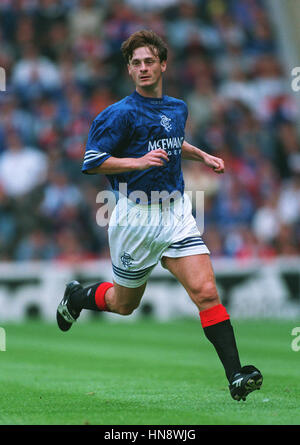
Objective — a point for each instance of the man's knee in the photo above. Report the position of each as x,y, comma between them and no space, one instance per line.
126,309
205,294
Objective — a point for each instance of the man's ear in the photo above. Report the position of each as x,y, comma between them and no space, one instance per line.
163,65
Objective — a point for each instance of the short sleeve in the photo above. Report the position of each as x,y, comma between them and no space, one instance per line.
185,111
107,133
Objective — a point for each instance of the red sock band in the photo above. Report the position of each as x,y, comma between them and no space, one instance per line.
213,315
100,296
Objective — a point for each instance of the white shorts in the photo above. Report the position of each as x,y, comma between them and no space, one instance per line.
140,235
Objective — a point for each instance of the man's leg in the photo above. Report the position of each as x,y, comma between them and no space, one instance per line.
110,297
123,300
196,274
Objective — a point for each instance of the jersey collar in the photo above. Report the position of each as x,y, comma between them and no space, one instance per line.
149,100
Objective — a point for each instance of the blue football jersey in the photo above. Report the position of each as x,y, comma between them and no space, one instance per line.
131,128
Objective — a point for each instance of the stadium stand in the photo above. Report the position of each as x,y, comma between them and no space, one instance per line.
63,66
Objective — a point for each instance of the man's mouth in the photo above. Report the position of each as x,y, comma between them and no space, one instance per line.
145,77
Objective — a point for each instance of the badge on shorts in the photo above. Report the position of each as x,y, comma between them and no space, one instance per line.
126,259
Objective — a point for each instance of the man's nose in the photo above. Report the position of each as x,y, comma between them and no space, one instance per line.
143,67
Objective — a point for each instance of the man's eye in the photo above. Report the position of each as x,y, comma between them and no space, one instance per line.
136,63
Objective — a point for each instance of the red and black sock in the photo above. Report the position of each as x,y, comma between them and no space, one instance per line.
219,331
91,297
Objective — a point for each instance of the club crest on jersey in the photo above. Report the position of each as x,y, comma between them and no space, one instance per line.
166,122
126,259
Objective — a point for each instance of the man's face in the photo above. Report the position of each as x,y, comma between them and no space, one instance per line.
145,68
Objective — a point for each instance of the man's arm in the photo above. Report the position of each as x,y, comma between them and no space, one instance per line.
192,153
114,166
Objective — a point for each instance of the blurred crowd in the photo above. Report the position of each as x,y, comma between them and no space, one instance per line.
63,66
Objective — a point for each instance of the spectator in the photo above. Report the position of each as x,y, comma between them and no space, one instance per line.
289,201
237,88
86,20
150,5
266,220
8,225
186,30
287,149
35,247
63,65
22,168
59,195
16,118
34,74
203,102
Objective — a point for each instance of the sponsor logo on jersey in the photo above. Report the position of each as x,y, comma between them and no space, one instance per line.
166,143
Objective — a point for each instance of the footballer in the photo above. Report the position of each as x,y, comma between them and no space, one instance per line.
140,141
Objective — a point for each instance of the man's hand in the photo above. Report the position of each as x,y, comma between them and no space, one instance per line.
192,153
155,158
115,166
217,164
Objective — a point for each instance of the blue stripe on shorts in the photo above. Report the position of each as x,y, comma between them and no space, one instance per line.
130,274
190,241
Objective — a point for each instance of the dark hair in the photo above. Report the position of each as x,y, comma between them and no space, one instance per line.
144,38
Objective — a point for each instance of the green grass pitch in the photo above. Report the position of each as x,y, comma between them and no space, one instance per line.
143,373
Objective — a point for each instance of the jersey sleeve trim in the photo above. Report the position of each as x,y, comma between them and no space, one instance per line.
93,159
